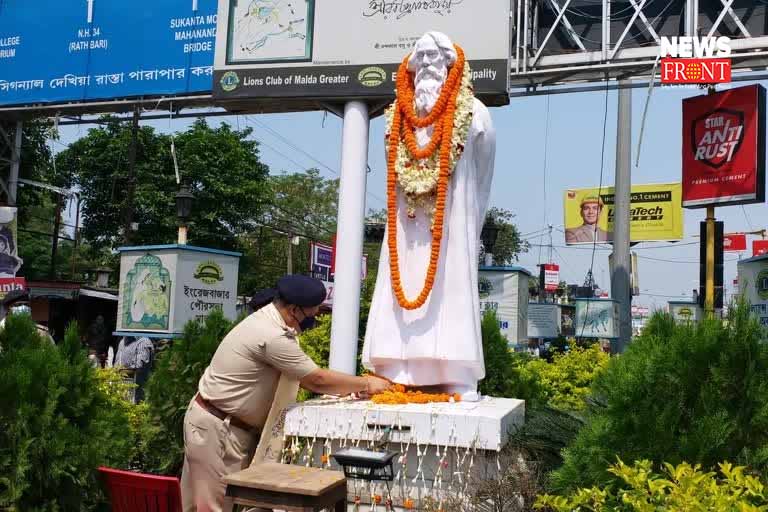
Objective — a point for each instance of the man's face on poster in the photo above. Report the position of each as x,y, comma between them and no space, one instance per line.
590,212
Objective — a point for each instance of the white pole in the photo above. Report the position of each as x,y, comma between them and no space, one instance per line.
349,238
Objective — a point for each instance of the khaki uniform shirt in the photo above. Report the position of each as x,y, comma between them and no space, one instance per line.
584,234
242,377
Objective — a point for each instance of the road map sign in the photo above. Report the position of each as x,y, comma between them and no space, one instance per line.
85,50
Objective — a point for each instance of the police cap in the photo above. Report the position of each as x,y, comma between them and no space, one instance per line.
300,290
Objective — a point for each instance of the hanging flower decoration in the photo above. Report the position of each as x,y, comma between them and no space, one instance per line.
423,173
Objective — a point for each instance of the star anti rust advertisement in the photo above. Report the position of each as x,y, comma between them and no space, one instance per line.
655,214
724,148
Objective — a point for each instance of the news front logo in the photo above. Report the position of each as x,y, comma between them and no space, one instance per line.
695,60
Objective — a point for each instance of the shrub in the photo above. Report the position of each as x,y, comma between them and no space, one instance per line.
172,385
681,488
316,343
56,427
117,393
566,380
696,393
504,370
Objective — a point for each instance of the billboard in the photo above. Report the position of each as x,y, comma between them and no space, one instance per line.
685,312
724,148
10,263
759,247
81,50
735,242
543,320
597,318
319,49
655,214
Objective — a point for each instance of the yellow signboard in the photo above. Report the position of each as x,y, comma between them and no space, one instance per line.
656,214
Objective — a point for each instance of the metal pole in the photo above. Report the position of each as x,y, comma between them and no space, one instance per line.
290,254
709,283
131,185
620,281
349,239
55,245
77,236
13,178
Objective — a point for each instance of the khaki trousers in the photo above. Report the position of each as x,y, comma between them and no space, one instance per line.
212,449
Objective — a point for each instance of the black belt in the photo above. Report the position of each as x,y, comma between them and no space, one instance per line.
208,406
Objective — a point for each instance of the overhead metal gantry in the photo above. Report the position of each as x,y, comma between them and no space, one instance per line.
562,45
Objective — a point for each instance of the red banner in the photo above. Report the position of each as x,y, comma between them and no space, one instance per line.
9,284
735,242
724,148
551,277
759,247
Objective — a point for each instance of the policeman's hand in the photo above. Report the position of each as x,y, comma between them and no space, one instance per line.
376,385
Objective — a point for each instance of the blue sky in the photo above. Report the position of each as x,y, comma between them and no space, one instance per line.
573,149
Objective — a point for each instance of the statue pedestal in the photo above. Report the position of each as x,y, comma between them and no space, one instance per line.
442,447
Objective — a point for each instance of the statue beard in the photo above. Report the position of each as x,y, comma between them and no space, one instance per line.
429,83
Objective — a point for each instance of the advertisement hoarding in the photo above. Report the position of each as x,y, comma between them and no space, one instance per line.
551,273
322,259
543,320
655,214
734,242
759,247
10,284
724,148
10,263
78,50
597,318
350,48
685,312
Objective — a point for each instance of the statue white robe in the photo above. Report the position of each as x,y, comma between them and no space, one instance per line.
439,343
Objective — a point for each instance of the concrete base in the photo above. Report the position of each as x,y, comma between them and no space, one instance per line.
441,447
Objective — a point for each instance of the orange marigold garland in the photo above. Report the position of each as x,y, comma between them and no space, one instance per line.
404,121
399,394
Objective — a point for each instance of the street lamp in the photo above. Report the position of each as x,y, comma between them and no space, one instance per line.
183,211
488,236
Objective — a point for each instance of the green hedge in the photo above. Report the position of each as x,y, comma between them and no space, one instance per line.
56,427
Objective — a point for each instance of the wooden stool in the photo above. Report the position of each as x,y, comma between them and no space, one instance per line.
285,487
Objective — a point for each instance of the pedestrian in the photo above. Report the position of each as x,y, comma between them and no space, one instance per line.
136,354
97,341
253,377
16,302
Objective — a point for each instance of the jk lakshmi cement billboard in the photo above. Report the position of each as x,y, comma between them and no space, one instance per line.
724,148
655,214
326,49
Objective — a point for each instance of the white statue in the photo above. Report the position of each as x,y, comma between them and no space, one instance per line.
424,326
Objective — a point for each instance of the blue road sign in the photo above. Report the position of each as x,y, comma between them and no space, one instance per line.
60,51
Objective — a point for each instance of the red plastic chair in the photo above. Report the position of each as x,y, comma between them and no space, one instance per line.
139,492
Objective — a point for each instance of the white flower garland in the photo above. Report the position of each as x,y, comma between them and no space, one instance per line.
418,178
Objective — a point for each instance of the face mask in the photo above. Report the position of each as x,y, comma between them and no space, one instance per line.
21,310
308,322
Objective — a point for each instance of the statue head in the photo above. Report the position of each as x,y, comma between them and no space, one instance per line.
432,55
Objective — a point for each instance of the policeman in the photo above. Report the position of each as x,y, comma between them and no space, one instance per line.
254,374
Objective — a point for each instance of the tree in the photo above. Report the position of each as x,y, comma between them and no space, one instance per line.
301,204
220,165
695,393
508,245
